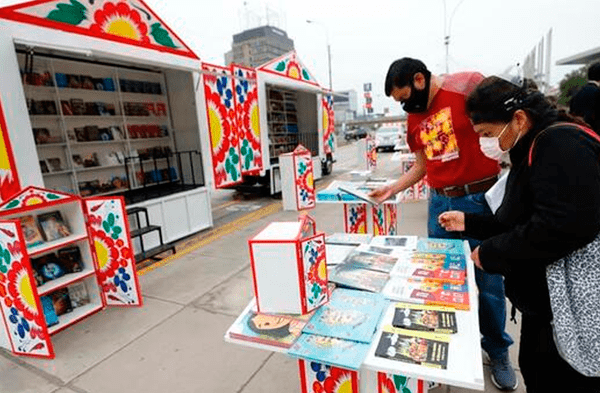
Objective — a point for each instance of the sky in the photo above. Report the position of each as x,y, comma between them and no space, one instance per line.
365,37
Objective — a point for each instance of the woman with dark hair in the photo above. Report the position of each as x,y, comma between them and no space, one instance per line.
551,208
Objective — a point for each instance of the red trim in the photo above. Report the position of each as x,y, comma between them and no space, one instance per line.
93,311
293,79
346,228
68,198
66,284
420,385
9,151
92,251
354,377
301,282
295,182
56,246
253,266
302,371
11,14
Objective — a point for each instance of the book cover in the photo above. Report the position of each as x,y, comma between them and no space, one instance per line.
41,135
31,231
91,133
55,164
53,225
354,239
371,261
78,294
448,246
449,268
361,193
336,253
354,277
425,349
49,313
334,351
421,317
48,267
70,259
61,301
44,166
427,292
400,242
349,314
279,330
77,106
77,161
377,249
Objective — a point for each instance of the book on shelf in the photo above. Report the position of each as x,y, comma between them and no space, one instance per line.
70,259
48,309
426,291
278,330
55,164
371,261
61,301
48,267
44,166
349,314
77,106
87,82
91,160
330,350
92,133
449,268
78,294
41,135
53,225
31,231
77,161
354,239
105,134
117,133
354,277
73,81
426,318
91,109
66,107
421,348
399,242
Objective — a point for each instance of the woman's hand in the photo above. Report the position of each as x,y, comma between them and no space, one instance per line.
475,258
381,194
452,221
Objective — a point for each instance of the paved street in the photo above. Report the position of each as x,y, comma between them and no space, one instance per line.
174,343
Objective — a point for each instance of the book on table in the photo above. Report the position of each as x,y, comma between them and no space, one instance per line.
330,350
354,239
336,253
396,242
442,267
448,246
371,261
426,291
353,277
422,317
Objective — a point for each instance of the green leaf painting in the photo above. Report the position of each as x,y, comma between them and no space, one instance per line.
161,36
305,75
73,13
280,66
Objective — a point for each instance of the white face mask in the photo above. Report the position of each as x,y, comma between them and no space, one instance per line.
490,145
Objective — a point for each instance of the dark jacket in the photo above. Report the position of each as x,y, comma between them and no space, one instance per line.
586,103
550,209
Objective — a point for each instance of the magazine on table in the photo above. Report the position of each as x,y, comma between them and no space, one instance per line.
422,317
359,192
336,253
448,246
334,351
353,277
425,291
350,314
354,239
371,261
397,242
278,330
425,349
442,267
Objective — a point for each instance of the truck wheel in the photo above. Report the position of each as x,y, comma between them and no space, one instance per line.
327,166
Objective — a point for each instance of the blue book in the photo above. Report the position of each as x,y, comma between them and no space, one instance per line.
49,313
333,351
448,246
350,314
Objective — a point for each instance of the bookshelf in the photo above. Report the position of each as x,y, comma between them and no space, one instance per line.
282,118
86,118
63,259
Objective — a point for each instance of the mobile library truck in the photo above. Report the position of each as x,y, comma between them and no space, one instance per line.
255,115
99,98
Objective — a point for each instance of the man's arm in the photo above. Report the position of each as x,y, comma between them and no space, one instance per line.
414,174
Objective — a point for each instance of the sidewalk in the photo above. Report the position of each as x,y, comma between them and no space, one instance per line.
174,343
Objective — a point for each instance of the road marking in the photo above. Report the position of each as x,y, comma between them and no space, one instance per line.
243,208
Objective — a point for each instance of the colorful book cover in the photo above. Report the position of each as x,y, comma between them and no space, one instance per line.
31,231
53,225
448,246
336,253
425,349
401,242
414,290
434,266
426,318
279,330
371,261
354,239
353,277
334,351
350,314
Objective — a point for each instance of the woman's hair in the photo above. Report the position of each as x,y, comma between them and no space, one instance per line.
495,100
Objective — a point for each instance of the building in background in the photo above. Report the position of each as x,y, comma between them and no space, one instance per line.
345,105
256,46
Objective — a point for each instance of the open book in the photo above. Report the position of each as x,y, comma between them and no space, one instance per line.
359,192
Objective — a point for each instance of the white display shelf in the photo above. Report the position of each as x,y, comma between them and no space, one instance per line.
74,316
67,91
65,280
59,173
144,96
98,168
136,140
88,117
93,143
48,145
44,117
56,244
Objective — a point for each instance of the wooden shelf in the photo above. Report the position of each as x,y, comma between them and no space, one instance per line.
74,316
66,280
56,244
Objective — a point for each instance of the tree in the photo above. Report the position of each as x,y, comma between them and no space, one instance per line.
570,84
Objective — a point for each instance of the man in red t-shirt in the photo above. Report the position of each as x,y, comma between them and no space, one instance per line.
448,152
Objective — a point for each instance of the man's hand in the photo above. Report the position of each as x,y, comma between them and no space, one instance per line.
452,221
475,258
382,194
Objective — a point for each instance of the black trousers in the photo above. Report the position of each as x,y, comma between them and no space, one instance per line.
542,367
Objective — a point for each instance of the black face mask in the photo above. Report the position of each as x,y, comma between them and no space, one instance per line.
417,102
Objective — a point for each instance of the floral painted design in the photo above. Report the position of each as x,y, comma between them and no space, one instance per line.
355,217
19,304
33,196
315,272
222,124
128,21
323,378
328,124
113,251
305,187
291,67
9,184
378,220
390,383
248,121
371,154
391,219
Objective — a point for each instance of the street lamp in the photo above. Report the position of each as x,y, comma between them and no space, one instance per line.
447,29
328,48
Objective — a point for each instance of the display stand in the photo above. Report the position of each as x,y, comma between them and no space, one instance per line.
367,154
417,192
60,251
297,184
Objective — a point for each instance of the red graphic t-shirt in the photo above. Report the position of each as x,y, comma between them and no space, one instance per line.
447,137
